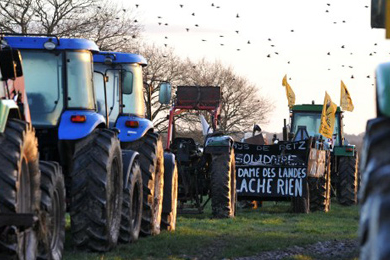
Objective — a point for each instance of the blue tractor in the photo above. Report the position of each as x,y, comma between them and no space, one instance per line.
59,78
125,101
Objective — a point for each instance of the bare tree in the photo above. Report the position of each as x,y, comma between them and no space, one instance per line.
242,104
108,24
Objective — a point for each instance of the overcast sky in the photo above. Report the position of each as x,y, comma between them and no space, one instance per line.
316,43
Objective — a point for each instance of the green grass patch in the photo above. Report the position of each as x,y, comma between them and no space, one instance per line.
270,227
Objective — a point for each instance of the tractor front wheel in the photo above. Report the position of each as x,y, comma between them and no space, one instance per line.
169,211
302,204
223,185
151,159
347,185
53,208
320,189
132,206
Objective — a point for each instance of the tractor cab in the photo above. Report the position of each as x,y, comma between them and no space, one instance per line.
125,93
310,117
59,82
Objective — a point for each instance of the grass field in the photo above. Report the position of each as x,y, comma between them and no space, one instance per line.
270,227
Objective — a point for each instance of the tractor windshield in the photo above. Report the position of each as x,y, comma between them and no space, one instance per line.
312,122
43,73
44,79
129,77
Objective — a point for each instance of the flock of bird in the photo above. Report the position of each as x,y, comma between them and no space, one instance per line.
273,50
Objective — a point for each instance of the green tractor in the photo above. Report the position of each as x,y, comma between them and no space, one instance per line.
32,197
344,156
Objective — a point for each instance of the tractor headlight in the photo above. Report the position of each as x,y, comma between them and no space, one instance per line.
49,45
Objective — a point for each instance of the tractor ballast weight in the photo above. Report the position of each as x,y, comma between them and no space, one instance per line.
344,156
212,171
125,95
59,85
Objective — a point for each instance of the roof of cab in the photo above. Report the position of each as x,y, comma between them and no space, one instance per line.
310,108
120,57
36,42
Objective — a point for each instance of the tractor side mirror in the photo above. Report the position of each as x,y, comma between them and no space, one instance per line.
165,93
378,14
10,64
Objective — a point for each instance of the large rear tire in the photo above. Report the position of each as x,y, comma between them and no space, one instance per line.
347,185
223,185
374,227
151,158
19,184
53,208
169,211
96,191
132,206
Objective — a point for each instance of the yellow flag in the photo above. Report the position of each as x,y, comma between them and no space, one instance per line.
289,92
328,117
345,98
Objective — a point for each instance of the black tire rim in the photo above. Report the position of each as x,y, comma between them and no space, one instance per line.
55,220
135,204
157,199
113,195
